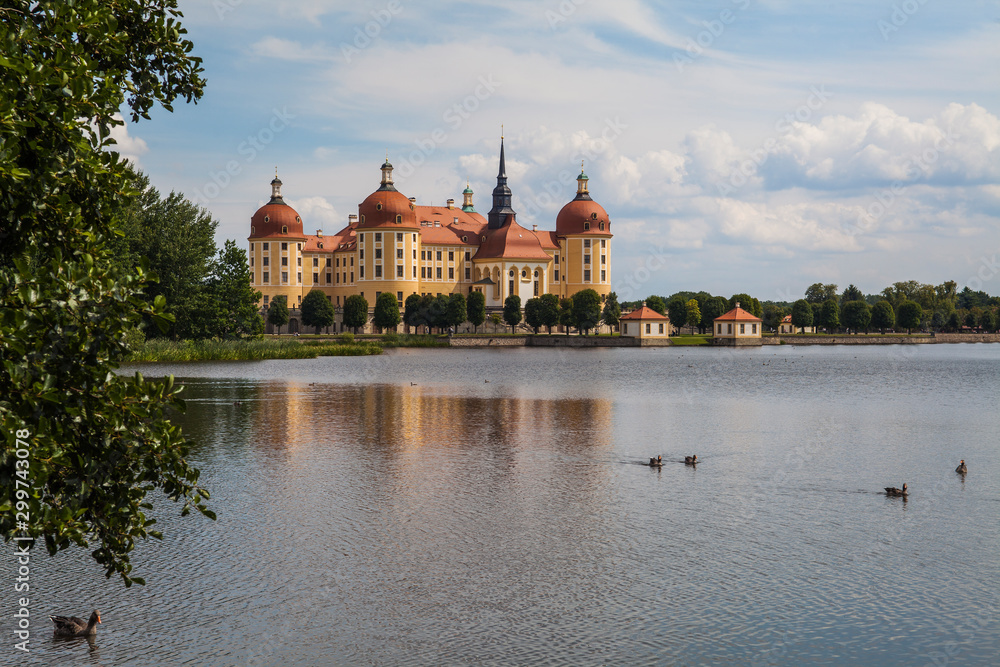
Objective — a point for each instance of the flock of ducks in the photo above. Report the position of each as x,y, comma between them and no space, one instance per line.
657,462
902,493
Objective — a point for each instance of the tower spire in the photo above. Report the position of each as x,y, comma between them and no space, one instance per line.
387,175
501,210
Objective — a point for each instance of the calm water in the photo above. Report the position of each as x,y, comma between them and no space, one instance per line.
442,507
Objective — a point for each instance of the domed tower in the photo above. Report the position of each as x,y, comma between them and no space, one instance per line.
276,240
584,231
388,236
467,204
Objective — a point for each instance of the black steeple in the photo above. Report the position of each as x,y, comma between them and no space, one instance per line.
501,196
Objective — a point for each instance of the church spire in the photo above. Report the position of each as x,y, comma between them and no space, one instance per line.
501,196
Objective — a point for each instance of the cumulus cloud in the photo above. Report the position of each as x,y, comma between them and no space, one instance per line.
317,213
128,146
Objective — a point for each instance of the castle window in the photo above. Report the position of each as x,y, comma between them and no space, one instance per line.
586,226
298,261
378,207
284,246
555,277
329,278
328,262
266,260
399,219
601,226
265,301
399,297
603,276
464,240
378,253
467,255
315,279
451,255
451,273
414,272
267,278
604,243
604,259
298,279
423,255
512,273
362,219
439,273
586,243
284,261
320,246
586,275
253,232
284,277
361,254
378,270
484,239
524,273
536,274
399,270
298,246
439,255
468,274
399,253
315,261
399,235
361,271
423,272
298,219
378,237
266,246
557,260
593,216
284,229
586,259
251,261
267,218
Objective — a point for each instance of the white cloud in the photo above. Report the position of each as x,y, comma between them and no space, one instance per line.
317,213
128,146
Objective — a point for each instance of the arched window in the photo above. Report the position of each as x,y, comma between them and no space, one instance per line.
362,219
399,218
524,273
601,226
512,273
586,226
536,274
284,229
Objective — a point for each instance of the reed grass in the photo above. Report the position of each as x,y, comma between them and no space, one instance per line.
246,350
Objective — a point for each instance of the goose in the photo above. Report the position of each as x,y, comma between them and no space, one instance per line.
657,462
691,460
893,491
71,626
961,469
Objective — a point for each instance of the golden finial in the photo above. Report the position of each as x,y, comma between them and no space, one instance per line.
501,130
275,171
581,165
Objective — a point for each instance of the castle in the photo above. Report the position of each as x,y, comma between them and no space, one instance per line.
395,245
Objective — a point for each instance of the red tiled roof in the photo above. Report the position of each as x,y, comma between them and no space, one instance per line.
644,313
512,241
573,215
738,314
270,218
787,319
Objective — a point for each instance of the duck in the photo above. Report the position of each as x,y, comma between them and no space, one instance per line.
71,626
657,462
893,491
961,469
691,460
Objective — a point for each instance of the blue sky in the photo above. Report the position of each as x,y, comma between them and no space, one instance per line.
738,145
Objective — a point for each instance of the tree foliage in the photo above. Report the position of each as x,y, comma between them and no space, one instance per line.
277,312
586,309
802,314
550,311
96,443
856,315
533,313
412,313
566,313
386,315
612,313
908,315
456,310
657,304
747,303
773,314
714,307
677,311
693,313
512,311
355,312
818,293
231,301
475,309
852,293
316,309
830,316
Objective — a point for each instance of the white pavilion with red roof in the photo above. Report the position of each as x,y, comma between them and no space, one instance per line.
737,327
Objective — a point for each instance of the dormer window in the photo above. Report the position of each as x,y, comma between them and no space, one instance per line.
284,229
362,219
267,218
593,216
378,207
586,226
484,239
465,239
253,230
601,226
320,246
399,218
298,219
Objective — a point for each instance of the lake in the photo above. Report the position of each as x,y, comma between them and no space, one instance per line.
490,507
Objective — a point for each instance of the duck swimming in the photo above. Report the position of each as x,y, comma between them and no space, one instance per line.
71,626
691,460
657,462
961,469
893,491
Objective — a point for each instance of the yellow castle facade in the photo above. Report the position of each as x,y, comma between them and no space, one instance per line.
396,245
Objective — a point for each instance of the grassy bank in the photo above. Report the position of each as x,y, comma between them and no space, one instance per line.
691,340
248,350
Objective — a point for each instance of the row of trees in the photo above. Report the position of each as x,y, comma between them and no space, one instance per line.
697,309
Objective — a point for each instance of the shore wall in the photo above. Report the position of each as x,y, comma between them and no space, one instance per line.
483,341
856,340
626,341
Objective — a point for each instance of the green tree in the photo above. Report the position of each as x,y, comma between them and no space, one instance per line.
412,314
495,320
475,309
533,313
802,314
566,314
714,307
747,303
277,312
612,313
439,312
677,311
176,238
232,298
317,311
818,293
657,304
852,293
773,314
386,315
512,311
908,315
550,311
97,442
693,313
456,310
988,321
830,316
355,312
857,315
586,309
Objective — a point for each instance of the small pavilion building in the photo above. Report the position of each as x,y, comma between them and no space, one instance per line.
737,328
786,327
645,323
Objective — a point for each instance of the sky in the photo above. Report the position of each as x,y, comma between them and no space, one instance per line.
739,146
